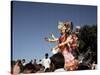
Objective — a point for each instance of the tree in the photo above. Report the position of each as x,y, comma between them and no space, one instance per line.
88,39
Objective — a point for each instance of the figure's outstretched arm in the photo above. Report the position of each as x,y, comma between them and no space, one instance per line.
51,40
54,39
52,35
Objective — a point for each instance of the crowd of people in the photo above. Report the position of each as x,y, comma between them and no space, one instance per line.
20,66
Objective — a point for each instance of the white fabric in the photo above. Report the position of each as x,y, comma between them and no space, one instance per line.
60,70
24,64
46,63
78,27
55,51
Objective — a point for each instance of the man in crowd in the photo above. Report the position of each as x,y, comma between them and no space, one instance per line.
46,62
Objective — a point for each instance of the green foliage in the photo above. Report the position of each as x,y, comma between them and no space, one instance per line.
88,39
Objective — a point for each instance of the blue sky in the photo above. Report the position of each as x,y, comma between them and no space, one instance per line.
32,22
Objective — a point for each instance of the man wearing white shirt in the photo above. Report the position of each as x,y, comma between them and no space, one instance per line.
46,62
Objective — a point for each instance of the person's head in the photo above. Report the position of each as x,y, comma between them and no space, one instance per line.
46,55
61,27
19,62
69,26
40,60
23,60
65,27
31,61
34,60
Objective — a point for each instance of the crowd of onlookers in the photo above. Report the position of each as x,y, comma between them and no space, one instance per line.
20,66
